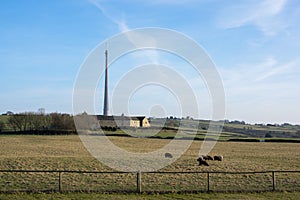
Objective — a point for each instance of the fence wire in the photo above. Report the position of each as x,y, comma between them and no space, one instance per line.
160,182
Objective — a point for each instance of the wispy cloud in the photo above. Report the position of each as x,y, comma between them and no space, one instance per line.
266,91
274,69
134,37
263,14
253,73
121,23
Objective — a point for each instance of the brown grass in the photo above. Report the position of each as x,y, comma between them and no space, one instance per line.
68,153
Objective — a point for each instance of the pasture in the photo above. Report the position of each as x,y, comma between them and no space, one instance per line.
208,196
67,153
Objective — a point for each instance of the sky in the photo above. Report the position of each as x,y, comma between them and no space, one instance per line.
254,44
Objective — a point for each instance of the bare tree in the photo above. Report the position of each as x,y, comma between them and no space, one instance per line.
37,121
18,122
62,121
2,126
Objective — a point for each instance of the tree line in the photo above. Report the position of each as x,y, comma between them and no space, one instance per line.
30,121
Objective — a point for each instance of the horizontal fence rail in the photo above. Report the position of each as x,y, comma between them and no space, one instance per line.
170,181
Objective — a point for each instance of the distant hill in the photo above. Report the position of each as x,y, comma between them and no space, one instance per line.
235,129
191,128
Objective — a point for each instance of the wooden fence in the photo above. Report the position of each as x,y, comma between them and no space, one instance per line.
138,182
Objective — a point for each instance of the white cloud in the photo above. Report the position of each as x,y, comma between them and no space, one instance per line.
133,37
121,23
274,70
263,92
253,74
263,14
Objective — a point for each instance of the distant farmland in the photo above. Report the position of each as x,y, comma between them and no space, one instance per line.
167,128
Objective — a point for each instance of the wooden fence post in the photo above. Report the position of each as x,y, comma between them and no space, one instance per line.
273,181
59,181
208,182
139,182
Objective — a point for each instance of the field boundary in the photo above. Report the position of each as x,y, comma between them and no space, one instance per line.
138,184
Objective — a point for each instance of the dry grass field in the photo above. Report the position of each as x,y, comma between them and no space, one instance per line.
68,153
170,196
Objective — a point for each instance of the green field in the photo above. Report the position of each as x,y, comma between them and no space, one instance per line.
68,153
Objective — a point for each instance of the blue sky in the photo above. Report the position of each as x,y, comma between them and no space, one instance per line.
255,45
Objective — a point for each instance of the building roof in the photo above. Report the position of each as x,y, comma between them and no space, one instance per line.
103,117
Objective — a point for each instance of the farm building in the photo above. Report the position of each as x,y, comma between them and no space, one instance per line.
123,121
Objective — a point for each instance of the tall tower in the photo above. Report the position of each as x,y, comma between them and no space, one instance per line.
105,106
